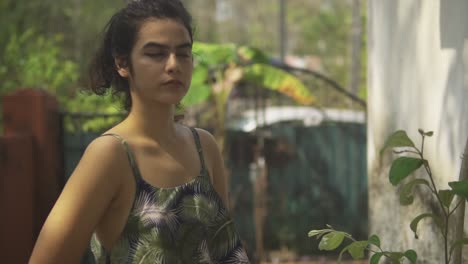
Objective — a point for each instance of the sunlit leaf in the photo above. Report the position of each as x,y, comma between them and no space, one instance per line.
318,232
402,168
199,90
331,240
460,188
275,79
251,54
356,249
397,139
214,54
406,197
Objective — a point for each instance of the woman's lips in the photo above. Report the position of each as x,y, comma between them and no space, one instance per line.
174,82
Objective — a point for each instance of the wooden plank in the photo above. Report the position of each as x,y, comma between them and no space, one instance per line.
16,198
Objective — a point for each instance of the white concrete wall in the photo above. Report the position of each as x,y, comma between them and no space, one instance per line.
417,78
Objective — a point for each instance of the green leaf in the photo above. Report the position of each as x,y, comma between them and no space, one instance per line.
395,257
460,188
411,255
424,133
318,232
397,139
402,167
199,91
331,240
415,222
374,240
446,197
275,79
214,54
251,54
376,258
458,243
355,249
406,197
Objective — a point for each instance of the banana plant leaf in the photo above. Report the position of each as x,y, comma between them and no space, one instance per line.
275,79
199,90
214,54
255,69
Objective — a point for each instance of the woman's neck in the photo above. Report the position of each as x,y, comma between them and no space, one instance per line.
155,122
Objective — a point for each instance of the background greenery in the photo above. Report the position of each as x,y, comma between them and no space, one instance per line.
48,44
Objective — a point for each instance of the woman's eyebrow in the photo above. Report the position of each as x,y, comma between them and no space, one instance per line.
163,46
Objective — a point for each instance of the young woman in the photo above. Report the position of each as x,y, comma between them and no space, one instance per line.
149,190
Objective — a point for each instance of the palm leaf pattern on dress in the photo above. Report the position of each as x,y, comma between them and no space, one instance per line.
204,256
149,249
184,224
239,257
223,239
196,229
154,214
198,208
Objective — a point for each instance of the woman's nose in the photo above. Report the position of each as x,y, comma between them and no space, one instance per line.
172,64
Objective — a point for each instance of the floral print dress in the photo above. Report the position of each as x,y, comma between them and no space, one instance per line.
184,224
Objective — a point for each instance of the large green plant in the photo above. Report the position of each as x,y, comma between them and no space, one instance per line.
411,160
219,67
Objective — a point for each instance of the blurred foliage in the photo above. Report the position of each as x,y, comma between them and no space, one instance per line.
48,44
318,29
32,60
45,44
86,105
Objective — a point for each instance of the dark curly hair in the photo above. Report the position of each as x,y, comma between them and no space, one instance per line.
119,37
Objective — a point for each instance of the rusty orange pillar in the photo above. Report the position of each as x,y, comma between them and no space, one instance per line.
31,166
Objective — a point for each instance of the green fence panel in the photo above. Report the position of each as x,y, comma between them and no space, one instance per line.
325,182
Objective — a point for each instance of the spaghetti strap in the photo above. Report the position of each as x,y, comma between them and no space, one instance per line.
130,156
199,149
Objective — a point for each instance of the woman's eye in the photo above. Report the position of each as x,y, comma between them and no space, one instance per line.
184,55
156,55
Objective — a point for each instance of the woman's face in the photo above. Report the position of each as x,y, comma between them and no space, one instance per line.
162,63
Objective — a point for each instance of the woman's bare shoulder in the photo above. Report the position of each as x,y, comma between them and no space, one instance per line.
105,152
207,139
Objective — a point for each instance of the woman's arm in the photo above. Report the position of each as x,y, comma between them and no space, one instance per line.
85,198
215,164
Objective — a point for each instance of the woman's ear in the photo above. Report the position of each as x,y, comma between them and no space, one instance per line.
122,68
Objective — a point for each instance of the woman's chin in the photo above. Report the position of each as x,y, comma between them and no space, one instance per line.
172,100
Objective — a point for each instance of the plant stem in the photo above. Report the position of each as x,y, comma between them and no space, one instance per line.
446,238
446,214
422,144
